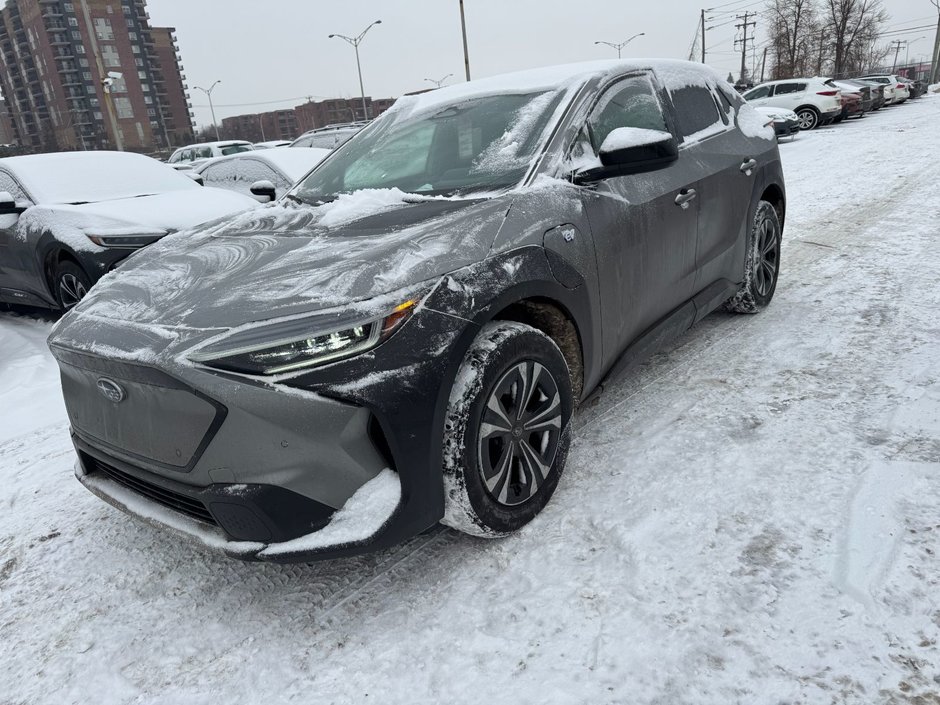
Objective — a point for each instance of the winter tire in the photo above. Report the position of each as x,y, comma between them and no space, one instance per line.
506,430
70,284
809,118
761,262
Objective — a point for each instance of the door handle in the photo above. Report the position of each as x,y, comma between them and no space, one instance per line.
747,167
685,197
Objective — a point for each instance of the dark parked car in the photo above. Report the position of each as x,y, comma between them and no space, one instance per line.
851,106
404,337
68,218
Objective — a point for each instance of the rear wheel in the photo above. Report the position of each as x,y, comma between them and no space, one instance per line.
761,263
809,118
506,432
70,284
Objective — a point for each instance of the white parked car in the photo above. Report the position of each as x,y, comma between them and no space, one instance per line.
329,137
901,91
272,144
195,154
817,101
262,174
67,219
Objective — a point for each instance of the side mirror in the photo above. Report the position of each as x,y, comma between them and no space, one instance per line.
263,191
195,176
632,150
8,204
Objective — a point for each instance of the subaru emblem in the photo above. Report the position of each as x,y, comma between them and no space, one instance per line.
111,390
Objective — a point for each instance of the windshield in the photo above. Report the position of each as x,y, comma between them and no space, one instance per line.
482,143
89,177
235,149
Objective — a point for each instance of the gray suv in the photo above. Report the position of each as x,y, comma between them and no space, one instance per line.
403,338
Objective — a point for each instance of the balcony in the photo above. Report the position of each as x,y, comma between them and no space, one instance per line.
59,40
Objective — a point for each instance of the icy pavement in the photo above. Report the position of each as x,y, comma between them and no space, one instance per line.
751,517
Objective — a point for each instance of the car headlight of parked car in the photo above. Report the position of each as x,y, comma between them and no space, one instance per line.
124,239
297,344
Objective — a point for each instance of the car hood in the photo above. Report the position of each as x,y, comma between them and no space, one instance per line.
176,210
284,259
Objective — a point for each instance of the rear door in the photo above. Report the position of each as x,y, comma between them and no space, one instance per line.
790,95
644,225
729,162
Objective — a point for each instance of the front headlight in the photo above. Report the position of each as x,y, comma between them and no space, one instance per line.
291,345
124,238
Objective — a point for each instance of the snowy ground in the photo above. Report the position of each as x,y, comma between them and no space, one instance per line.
751,517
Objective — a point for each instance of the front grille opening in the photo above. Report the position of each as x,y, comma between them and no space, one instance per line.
168,498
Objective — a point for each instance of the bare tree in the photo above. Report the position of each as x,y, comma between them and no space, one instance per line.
852,27
792,23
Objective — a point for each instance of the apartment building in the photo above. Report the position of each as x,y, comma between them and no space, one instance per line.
91,74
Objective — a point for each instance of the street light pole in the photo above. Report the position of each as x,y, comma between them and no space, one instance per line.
619,47
466,51
208,92
935,58
355,41
907,55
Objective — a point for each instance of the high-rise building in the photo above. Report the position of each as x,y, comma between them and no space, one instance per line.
85,74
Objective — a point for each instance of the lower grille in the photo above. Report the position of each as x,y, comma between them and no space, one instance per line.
161,495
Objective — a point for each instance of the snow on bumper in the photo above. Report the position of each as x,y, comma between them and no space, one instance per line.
361,519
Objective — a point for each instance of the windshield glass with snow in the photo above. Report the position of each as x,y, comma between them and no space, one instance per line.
480,144
90,177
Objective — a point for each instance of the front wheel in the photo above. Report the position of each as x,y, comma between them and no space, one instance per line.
506,430
761,262
70,284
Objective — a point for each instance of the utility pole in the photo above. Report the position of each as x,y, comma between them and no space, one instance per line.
763,65
703,36
744,26
466,51
897,50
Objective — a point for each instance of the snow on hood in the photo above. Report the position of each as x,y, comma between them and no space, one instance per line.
172,211
282,260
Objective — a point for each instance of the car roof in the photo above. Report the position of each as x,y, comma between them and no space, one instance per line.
293,163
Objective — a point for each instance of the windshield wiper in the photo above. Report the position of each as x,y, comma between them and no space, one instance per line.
296,199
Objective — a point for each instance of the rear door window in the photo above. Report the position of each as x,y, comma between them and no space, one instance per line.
784,88
697,111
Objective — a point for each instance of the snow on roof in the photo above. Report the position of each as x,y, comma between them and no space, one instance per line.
673,73
295,163
90,177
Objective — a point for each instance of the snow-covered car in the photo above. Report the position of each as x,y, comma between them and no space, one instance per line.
785,122
195,154
815,100
894,86
67,219
264,174
403,337
330,137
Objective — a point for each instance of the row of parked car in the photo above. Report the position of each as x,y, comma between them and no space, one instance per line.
806,103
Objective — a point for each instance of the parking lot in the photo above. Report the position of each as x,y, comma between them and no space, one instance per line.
751,516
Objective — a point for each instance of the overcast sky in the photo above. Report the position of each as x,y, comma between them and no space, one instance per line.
277,52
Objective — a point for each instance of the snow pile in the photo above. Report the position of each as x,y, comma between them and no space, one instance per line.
360,518
753,124
627,137
349,207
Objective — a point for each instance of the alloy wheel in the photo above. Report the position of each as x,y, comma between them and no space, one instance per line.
520,433
767,250
808,119
71,290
